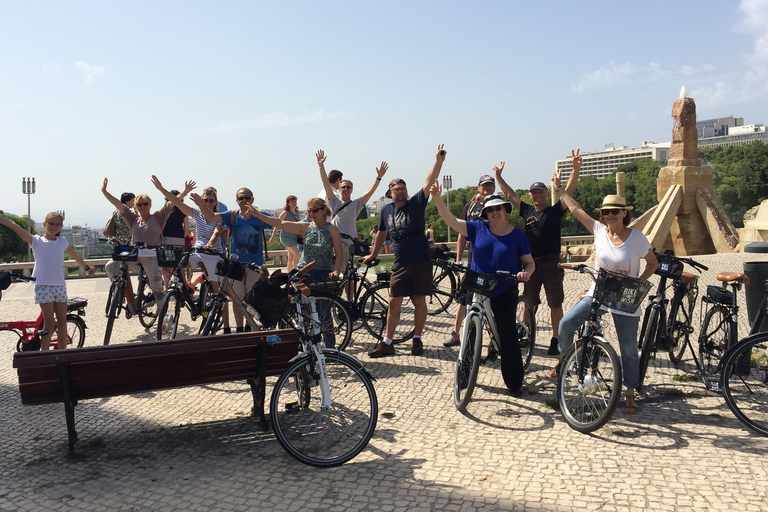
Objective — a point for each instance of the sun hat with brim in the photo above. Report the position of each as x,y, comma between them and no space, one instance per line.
495,200
614,201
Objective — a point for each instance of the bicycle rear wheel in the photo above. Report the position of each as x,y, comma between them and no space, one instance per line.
75,333
335,321
526,329
374,307
169,313
680,329
713,340
468,362
744,382
145,302
318,436
116,295
443,290
648,336
588,402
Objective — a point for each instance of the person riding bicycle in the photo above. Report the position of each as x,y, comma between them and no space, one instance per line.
497,245
147,228
50,287
618,248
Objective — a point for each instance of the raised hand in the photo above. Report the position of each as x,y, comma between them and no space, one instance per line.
576,159
104,185
189,186
156,182
436,190
498,168
382,169
440,156
320,158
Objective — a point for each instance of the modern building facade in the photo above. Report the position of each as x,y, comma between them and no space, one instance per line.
601,164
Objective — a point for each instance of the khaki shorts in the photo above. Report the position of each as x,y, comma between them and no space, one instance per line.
551,277
241,287
410,280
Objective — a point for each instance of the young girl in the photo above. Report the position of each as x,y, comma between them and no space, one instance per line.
50,288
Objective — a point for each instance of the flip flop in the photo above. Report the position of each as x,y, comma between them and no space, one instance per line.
631,409
554,371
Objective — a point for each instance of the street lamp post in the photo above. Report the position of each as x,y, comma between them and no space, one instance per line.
447,185
28,187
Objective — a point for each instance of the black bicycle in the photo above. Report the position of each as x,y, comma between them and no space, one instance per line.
670,330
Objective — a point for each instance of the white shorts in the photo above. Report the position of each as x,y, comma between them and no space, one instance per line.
45,294
209,261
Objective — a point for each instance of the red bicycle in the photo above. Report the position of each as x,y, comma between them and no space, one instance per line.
29,331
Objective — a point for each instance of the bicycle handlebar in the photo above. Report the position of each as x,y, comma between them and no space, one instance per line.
688,261
20,278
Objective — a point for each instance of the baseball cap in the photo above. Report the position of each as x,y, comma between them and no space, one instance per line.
537,185
486,179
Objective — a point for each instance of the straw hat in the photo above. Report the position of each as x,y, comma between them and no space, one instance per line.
614,201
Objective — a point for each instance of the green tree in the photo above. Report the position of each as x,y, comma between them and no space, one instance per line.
12,247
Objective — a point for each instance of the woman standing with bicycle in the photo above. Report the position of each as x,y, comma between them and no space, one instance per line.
619,249
497,245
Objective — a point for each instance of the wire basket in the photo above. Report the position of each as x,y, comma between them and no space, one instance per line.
620,292
169,256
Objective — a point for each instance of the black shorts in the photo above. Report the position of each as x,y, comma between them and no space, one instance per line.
412,279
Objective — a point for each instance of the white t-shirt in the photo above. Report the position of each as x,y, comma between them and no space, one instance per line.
345,220
622,259
336,192
49,260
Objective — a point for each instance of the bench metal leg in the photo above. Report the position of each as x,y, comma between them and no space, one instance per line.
69,406
259,388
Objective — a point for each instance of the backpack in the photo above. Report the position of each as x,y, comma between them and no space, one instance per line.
110,229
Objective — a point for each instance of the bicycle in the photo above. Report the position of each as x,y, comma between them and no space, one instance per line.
121,289
669,329
444,285
179,293
480,317
323,407
29,332
589,376
744,375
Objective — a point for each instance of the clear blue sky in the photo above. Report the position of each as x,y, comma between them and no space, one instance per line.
238,93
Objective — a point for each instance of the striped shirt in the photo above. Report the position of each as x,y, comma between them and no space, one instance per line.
204,231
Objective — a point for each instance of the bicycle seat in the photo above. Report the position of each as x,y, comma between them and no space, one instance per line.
728,277
687,277
372,263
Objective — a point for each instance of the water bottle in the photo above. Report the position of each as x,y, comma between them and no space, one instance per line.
273,338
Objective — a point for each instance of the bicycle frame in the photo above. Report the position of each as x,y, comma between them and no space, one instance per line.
481,305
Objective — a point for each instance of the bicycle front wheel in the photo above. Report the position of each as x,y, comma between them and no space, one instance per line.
713,340
744,382
589,384
335,321
374,308
116,295
169,313
648,336
212,319
443,290
324,436
680,329
468,363
526,329
145,302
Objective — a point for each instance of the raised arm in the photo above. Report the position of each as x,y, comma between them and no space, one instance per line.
174,200
112,199
297,228
460,226
508,191
572,204
570,187
380,172
324,175
16,229
435,172
210,215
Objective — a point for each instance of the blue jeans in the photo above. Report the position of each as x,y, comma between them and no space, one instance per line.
626,330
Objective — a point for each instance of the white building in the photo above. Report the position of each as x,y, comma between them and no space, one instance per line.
737,136
602,163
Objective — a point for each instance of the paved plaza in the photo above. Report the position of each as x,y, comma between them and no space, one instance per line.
198,449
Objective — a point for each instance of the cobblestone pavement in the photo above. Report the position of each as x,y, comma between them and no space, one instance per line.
197,448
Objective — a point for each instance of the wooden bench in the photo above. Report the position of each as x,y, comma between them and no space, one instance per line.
72,375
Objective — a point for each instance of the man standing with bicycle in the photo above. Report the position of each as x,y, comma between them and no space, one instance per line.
542,227
403,220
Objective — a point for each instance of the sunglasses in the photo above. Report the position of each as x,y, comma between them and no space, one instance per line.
496,208
612,211
142,204
314,210
209,200
345,186
245,198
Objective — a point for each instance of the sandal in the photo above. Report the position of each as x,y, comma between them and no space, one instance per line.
630,405
553,373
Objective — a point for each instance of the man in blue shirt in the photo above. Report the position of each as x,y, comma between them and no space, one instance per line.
403,220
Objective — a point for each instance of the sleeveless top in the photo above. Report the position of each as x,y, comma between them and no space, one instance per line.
318,246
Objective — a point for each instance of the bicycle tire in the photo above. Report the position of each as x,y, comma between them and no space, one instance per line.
146,305
744,382
75,333
443,290
713,340
116,295
336,327
468,361
203,296
168,314
324,437
589,405
526,330
649,337
680,328
212,320
374,307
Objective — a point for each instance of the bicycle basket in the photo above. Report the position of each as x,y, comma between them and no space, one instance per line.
479,283
230,269
270,301
719,294
620,292
125,253
383,276
670,267
169,256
